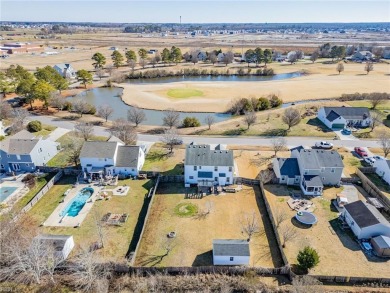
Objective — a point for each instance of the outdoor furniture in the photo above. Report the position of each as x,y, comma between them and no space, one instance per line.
123,218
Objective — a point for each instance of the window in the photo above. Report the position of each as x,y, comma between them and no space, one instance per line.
191,177
215,178
215,169
195,168
18,157
228,179
323,178
333,170
200,167
27,165
40,150
230,169
2,166
231,258
305,172
322,170
8,156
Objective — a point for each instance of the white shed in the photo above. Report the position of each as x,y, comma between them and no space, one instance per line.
231,252
62,244
365,220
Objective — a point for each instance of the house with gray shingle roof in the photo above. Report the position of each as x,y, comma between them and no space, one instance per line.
65,69
310,169
340,117
208,165
111,158
24,152
231,252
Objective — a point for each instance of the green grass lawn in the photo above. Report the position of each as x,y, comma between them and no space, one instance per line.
46,130
116,238
158,160
182,93
363,103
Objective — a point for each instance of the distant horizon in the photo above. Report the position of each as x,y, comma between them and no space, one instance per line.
196,12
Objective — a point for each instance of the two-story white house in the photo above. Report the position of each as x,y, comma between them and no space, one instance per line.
66,70
310,169
363,56
382,166
24,152
111,158
206,164
340,117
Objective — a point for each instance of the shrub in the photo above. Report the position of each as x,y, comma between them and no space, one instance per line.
275,101
263,104
92,110
30,180
68,106
190,122
308,258
34,126
2,137
388,117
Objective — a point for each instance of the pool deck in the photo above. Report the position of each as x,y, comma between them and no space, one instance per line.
56,220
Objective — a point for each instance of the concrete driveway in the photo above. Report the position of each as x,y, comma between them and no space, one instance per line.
342,136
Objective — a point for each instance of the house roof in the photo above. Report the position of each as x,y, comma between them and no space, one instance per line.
382,241
127,156
202,155
98,149
365,215
316,159
287,167
58,241
231,247
313,181
333,113
63,65
10,145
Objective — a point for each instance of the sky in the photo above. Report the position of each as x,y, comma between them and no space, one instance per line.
200,11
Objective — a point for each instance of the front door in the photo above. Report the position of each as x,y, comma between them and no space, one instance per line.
15,166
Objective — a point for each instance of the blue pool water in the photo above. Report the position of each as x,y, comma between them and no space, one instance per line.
5,192
77,203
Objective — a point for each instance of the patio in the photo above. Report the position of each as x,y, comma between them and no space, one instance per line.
301,205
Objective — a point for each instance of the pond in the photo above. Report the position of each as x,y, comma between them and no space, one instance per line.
111,96
280,76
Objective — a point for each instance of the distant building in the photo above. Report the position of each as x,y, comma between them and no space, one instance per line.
221,57
365,220
340,117
204,164
202,56
20,48
24,152
363,56
230,252
65,69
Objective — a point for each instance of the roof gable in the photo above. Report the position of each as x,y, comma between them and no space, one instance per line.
288,167
98,149
127,156
203,155
348,113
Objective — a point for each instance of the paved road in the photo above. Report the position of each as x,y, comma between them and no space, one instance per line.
237,140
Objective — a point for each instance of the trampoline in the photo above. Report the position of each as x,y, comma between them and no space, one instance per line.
306,218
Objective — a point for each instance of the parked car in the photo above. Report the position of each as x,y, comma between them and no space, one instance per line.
346,131
177,142
324,145
361,152
369,160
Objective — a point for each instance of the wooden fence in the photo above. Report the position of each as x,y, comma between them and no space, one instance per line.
245,181
171,178
275,230
351,280
368,170
372,190
40,194
134,254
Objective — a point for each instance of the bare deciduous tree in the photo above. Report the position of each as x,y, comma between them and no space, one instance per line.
110,69
73,149
88,274
84,129
132,65
124,131
100,72
5,110
376,119
280,216
288,233
136,115
99,228
377,99
250,224
209,120
171,118
292,58
228,58
57,101
340,67
314,56
291,117
278,144
208,208
105,111
369,67
250,118
213,57
19,116
171,138
306,284
80,107
143,62
384,142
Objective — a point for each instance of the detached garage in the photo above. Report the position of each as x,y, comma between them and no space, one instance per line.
381,245
230,252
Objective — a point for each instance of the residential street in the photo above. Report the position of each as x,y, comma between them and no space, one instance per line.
236,140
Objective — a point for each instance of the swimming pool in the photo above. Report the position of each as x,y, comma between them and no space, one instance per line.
5,192
77,203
